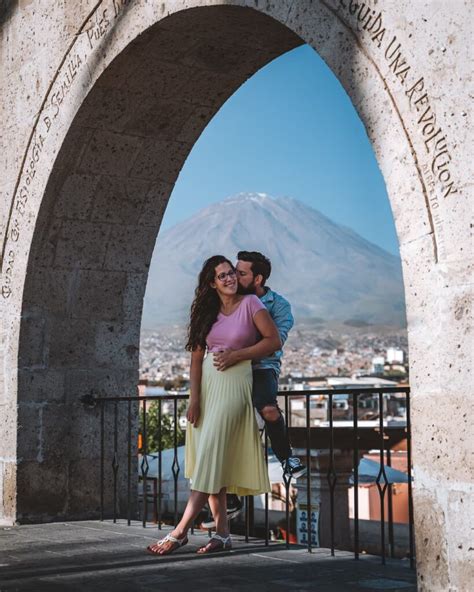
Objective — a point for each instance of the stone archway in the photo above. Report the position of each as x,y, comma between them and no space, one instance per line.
132,88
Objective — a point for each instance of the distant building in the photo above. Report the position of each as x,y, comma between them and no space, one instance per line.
378,364
395,356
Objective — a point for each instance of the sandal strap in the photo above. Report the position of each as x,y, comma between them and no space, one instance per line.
223,540
172,539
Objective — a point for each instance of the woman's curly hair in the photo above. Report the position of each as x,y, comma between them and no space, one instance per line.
206,304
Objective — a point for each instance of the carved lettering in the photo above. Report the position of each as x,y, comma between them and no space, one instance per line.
15,231
98,29
44,124
450,188
378,37
393,50
431,137
376,25
417,87
423,100
437,172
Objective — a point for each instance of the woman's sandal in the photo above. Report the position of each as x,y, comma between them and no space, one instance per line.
156,548
216,544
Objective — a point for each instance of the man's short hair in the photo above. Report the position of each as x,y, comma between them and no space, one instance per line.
261,265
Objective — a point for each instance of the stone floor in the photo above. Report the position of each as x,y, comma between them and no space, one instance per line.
93,556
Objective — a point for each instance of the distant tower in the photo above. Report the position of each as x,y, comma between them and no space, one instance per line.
378,365
395,356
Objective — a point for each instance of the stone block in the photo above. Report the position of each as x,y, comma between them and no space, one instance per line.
160,159
461,514
8,491
75,196
208,88
33,341
55,436
77,139
82,244
442,450
29,432
84,488
133,296
43,432
85,430
41,490
130,248
41,385
109,153
111,382
194,126
71,343
164,79
117,344
431,544
107,108
456,347
154,204
37,300
9,427
44,250
98,294
205,56
119,201
159,119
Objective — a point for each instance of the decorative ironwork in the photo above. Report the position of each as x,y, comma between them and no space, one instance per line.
311,438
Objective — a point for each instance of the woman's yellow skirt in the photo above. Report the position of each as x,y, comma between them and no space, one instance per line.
225,449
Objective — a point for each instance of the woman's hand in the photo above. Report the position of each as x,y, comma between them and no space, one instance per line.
225,359
193,413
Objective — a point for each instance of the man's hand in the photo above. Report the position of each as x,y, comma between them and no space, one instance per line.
193,413
225,359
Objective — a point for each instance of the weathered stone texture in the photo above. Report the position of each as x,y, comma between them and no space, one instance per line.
100,106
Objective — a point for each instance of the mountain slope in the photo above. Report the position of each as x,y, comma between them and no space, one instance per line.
324,269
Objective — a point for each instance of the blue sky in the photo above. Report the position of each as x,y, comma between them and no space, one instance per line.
290,130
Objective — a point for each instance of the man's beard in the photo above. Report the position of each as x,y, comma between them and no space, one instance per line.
249,290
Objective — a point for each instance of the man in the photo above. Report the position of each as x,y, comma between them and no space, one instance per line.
253,270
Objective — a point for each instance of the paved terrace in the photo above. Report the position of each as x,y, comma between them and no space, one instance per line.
90,556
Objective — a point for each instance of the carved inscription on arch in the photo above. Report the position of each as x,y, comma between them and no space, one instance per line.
367,19
436,171
73,64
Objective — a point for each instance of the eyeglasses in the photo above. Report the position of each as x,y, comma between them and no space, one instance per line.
231,273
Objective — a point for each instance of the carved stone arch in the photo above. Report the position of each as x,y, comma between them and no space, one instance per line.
132,87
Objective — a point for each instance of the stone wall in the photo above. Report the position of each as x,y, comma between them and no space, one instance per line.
101,103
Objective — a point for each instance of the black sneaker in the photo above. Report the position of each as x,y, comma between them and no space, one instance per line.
233,510
294,467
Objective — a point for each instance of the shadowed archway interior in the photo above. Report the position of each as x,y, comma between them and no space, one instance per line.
95,235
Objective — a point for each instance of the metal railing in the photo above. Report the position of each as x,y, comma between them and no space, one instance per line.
328,436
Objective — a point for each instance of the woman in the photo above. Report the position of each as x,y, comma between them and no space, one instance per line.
223,448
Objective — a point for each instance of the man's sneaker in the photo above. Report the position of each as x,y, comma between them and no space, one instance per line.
293,466
234,509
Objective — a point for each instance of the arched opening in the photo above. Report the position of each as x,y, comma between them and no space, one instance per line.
96,231
282,130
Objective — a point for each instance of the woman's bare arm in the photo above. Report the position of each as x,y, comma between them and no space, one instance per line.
195,375
269,343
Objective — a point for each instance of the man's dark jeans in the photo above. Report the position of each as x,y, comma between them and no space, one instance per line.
264,393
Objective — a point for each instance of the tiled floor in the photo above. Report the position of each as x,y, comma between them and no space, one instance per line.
93,556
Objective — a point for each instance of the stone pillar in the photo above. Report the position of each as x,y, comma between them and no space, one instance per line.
321,496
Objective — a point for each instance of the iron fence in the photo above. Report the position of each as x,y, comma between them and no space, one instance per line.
328,436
